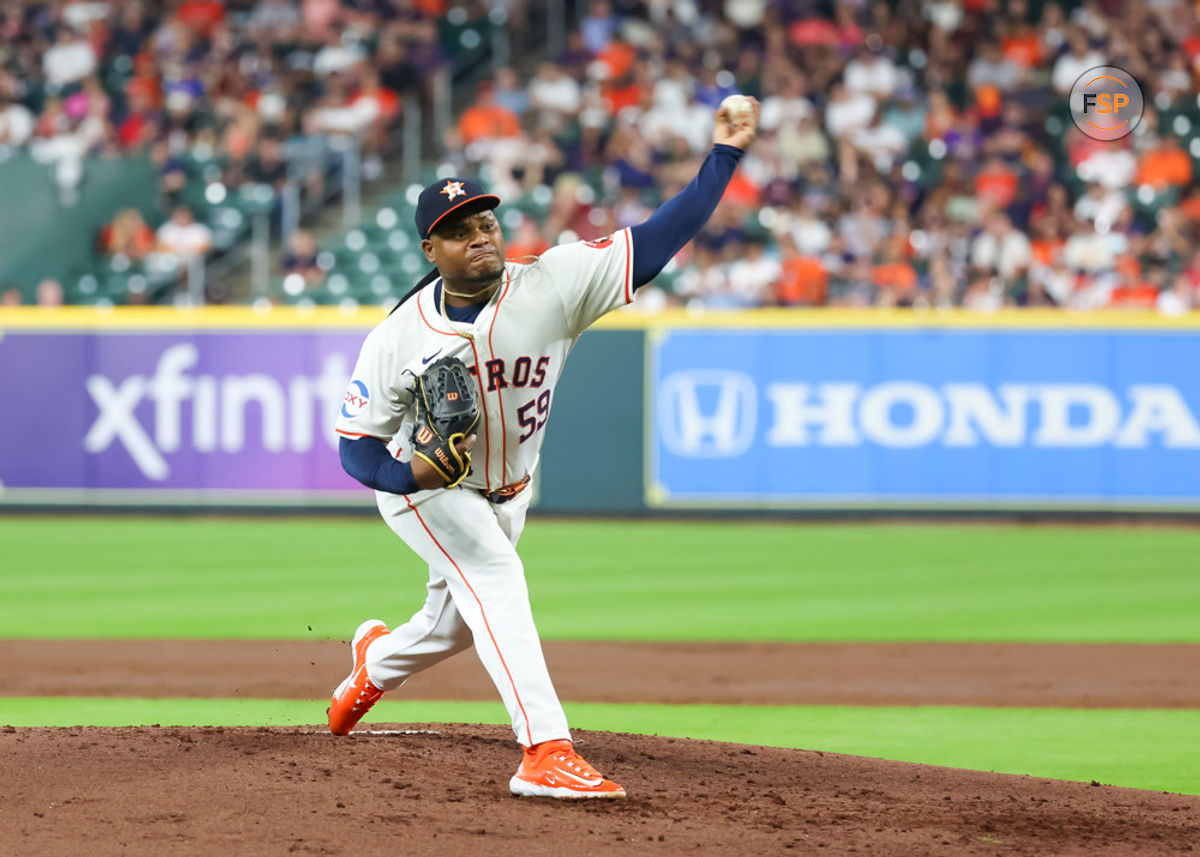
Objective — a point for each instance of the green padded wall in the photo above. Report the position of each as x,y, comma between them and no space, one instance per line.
592,457
40,237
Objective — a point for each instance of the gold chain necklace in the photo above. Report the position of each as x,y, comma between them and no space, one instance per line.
461,331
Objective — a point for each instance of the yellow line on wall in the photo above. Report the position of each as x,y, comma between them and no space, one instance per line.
145,319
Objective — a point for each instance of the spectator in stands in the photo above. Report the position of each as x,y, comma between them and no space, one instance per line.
983,294
847,111
1001,252
267,165
143,119
1101,206
527,242
201,16
128,235
1164,165
16,120
1171,242
384,107
302,258
872,73
274,20
1192,273
339,55
996,183
485,119
172,172
1179,299
599,26
1135,293
1074,62
706,282
1112,165
1052,30
893,275
753,272
1092,257
70,59
49,293
906,113
509,93
10,295
182,238
992,68
576,57
555,93
803,280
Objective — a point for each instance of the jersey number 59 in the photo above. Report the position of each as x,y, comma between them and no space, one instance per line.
531,420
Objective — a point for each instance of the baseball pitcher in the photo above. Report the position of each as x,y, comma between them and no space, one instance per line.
445,416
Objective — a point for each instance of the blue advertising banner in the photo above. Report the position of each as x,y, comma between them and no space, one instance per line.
939,417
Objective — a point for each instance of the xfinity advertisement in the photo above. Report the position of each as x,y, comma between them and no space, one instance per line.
236,414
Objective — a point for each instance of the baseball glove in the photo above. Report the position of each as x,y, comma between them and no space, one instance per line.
447,412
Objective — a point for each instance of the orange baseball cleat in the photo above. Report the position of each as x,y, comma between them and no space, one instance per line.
356,694
554,769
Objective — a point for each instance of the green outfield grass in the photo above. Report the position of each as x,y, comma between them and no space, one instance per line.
1141,749
276,578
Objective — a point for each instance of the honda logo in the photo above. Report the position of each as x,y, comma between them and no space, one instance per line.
707,413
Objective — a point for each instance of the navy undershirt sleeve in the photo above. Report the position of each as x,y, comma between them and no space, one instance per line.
680,218
367,459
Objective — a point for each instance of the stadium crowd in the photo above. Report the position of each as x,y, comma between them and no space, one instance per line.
115,77
910,152
228,92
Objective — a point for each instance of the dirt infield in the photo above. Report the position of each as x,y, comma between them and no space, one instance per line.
1078,676
442,790
279,791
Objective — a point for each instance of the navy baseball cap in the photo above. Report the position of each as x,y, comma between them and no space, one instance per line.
447,195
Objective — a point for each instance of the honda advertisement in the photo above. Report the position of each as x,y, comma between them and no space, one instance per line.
941,417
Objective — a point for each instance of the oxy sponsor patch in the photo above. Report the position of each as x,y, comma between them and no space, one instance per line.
355,400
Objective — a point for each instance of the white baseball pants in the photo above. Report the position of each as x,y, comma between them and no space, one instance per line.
476,594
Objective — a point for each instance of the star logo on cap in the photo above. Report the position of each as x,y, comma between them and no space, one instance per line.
453,189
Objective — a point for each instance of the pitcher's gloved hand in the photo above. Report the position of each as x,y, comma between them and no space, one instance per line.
447,414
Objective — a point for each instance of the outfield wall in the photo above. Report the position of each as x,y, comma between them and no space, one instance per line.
771,409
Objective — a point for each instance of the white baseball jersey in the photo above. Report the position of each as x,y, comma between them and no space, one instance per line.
516,350
476,593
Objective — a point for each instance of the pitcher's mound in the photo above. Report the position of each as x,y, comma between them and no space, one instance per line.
444,791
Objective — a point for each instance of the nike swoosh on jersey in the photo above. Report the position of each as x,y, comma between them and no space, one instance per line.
425,360
581,780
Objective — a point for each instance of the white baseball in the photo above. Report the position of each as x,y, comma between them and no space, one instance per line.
737,105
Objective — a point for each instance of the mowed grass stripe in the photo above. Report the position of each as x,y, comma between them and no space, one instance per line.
293,578
1140,749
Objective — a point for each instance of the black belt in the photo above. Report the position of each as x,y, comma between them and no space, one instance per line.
503,495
